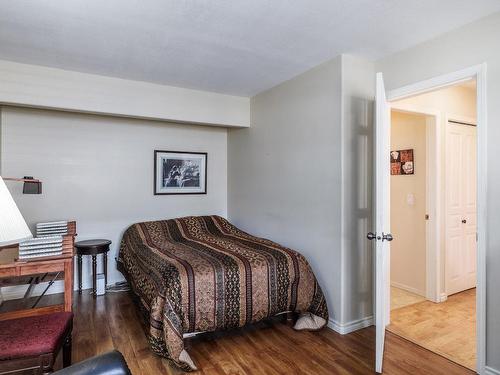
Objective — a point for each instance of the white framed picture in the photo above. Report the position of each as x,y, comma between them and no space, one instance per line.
180,172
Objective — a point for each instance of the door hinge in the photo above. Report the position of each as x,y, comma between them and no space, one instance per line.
426,216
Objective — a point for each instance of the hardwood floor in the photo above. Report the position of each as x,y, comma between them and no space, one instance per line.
270,347
447,328
401,298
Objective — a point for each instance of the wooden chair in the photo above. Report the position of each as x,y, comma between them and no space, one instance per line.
31,344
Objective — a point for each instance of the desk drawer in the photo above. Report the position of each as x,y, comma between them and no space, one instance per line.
7,272
34,269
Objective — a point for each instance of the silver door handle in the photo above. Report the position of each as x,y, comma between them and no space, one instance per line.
373,236
387,237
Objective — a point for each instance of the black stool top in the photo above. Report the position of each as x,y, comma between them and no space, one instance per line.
89,247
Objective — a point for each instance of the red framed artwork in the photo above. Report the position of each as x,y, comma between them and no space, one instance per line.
402,162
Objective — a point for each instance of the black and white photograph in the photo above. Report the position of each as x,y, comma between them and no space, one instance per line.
180,172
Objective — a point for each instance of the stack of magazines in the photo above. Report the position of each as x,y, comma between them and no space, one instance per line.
52,228
48,245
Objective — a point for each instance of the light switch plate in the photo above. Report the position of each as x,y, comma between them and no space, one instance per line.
410,199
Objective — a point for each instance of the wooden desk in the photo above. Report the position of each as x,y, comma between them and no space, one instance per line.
11,267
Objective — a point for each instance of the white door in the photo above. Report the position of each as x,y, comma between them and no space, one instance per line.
461,211
381,236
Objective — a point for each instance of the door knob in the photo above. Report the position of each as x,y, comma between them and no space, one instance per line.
464,221
371,236
387,237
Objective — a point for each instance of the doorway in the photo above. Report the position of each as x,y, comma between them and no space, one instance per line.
434,229
381,235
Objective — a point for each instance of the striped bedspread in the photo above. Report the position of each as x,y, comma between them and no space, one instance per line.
199,274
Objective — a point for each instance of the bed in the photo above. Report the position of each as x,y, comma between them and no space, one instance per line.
202,274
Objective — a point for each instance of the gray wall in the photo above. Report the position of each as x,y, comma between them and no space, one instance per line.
284,172
358,90
301,175
99,170
473,44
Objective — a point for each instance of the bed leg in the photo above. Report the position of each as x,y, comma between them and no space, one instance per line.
289,319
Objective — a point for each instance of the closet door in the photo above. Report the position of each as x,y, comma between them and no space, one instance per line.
461,211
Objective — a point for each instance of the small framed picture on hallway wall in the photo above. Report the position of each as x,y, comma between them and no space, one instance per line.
402,162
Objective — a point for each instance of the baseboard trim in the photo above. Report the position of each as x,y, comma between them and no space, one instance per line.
491,371
408,289
443,297
349,327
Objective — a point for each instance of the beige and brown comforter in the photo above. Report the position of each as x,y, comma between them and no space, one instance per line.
198,274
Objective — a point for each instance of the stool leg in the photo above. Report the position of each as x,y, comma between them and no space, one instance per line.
79,274
94,275
105,266
67,351
46,362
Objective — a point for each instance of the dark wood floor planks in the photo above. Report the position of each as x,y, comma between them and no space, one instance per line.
265,348
270,347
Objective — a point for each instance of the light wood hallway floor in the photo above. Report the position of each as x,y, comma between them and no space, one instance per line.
447,328
111,321
401,298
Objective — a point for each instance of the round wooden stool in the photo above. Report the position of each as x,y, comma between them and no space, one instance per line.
92,248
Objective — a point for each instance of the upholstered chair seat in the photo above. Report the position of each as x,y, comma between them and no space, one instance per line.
33,342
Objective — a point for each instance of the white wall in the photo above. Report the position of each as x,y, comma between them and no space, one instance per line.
285,171
98,170
467,46
42,87
408,225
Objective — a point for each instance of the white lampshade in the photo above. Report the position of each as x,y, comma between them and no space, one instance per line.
13,228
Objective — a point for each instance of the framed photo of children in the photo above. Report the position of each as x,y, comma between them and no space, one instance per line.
180,172
402,162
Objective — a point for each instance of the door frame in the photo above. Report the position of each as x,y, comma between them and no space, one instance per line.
432,199
477,72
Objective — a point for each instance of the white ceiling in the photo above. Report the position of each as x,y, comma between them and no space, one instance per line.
238,47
